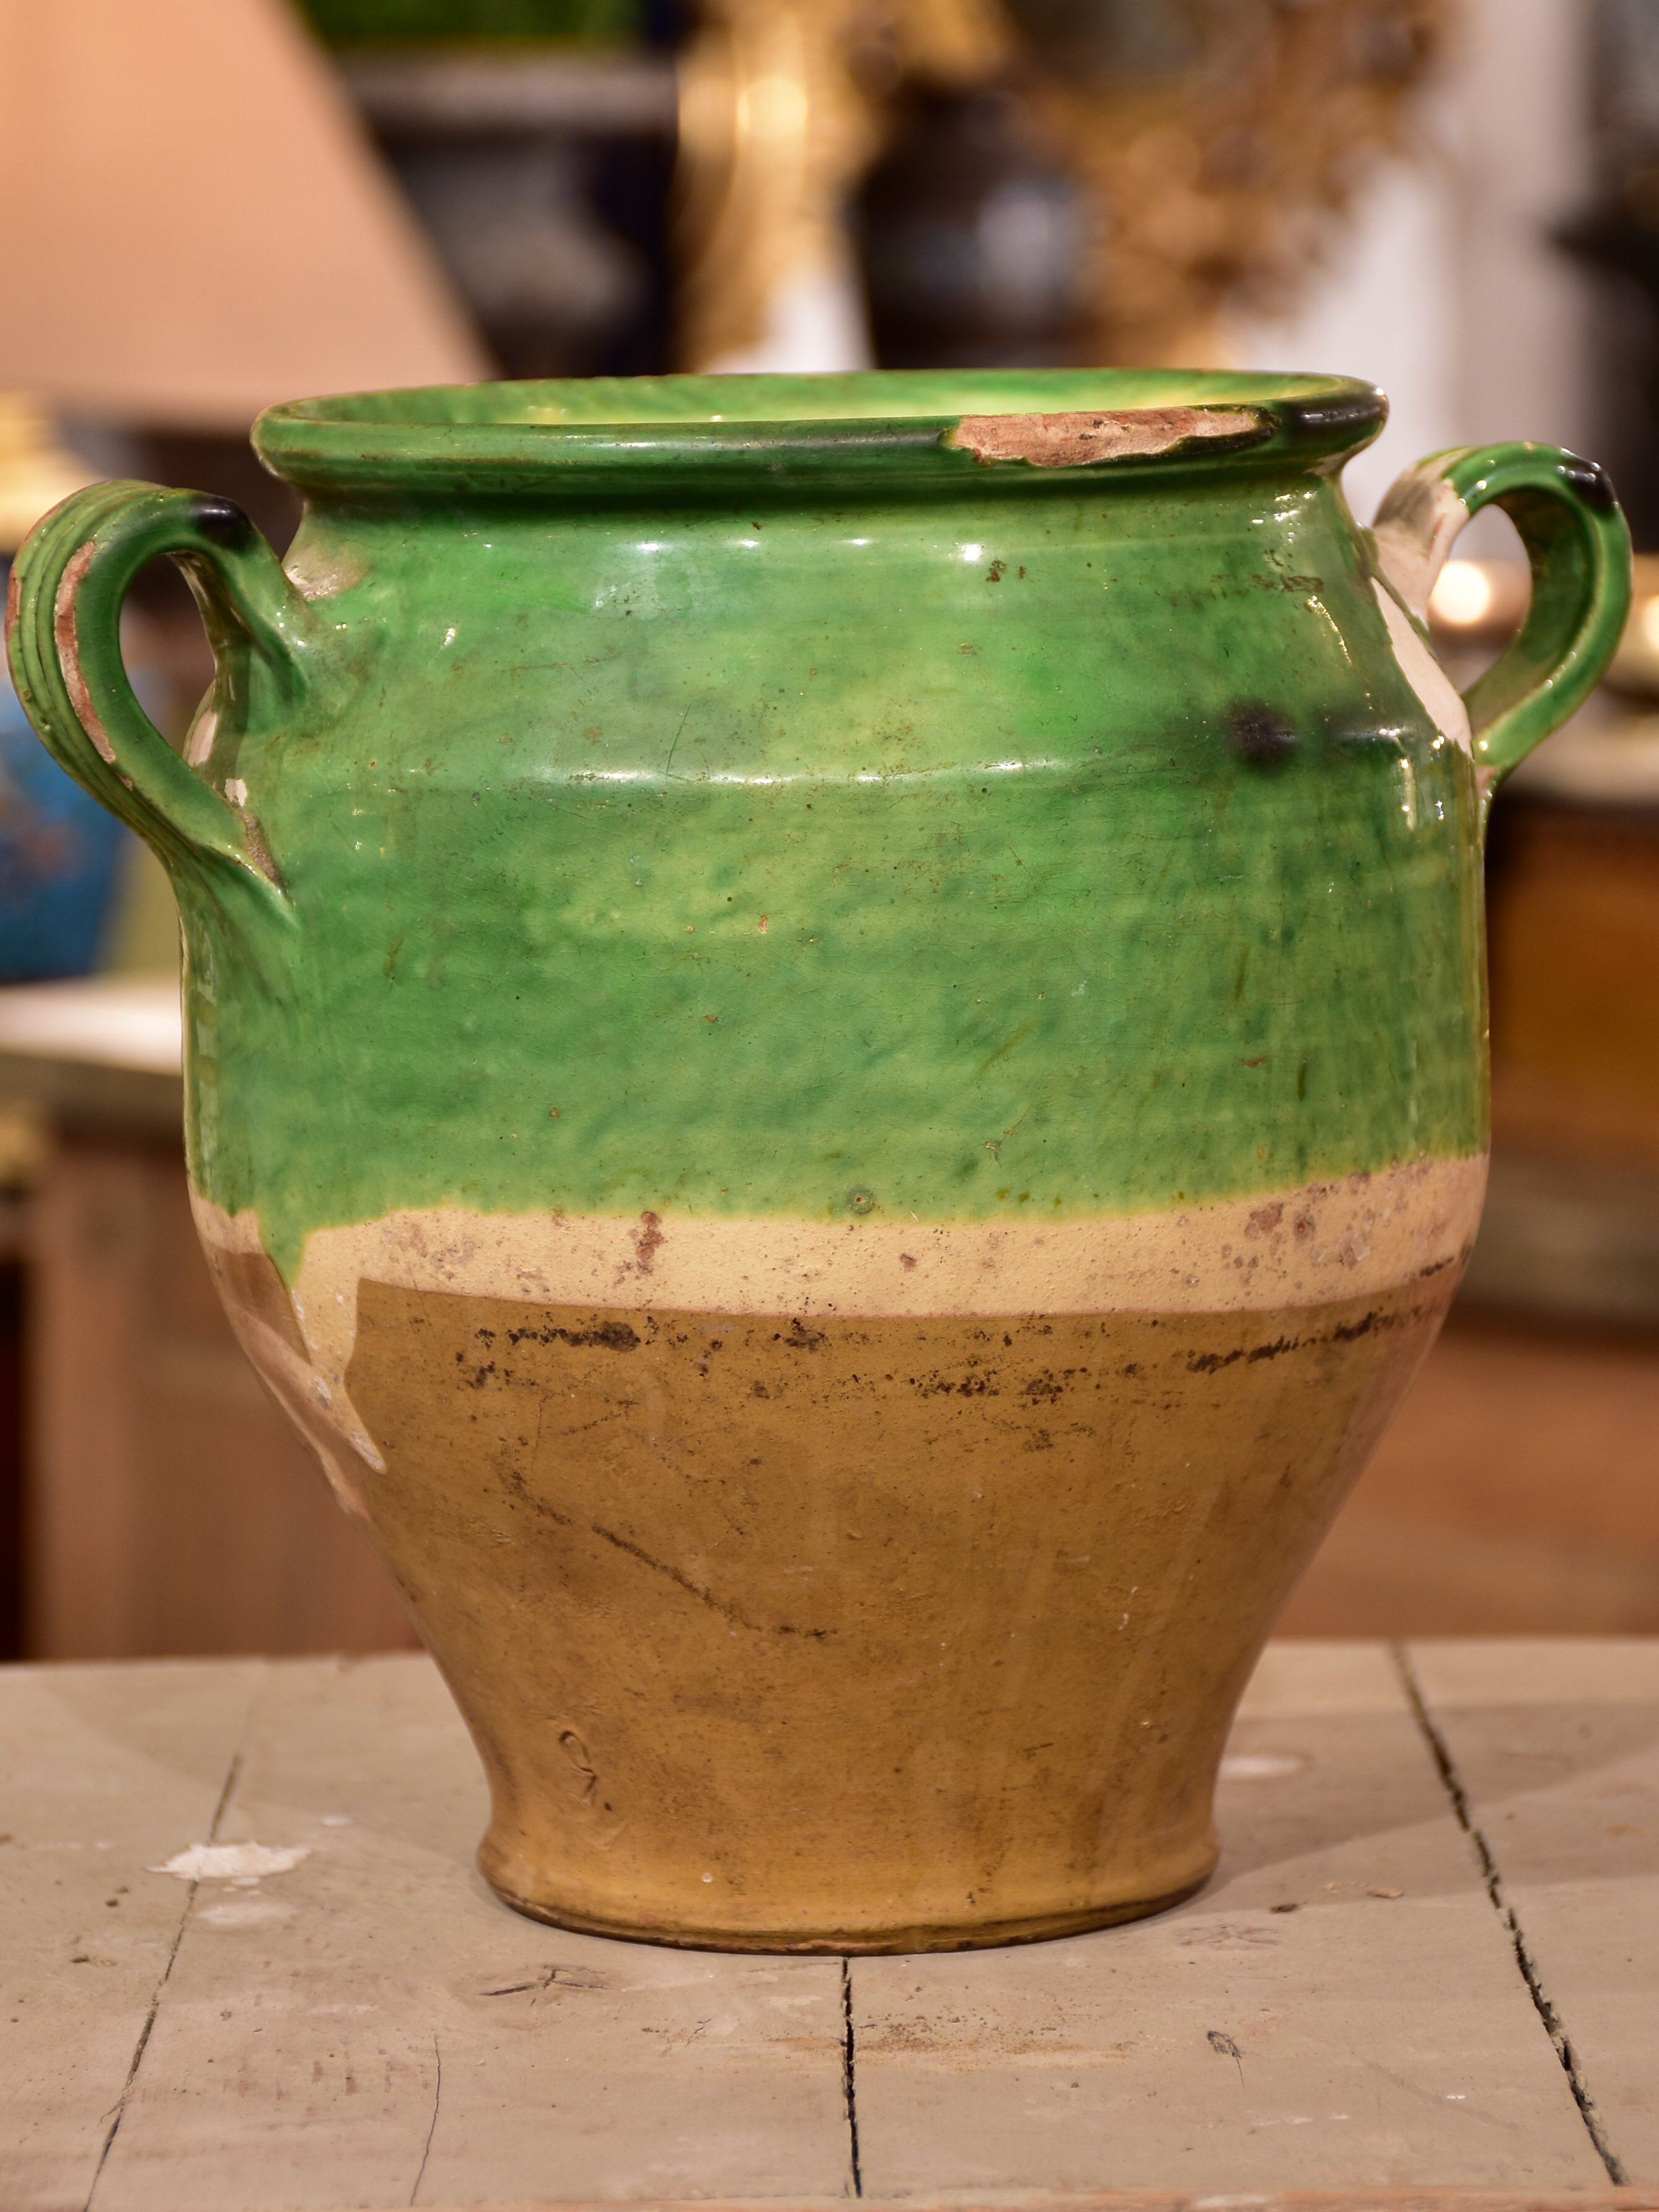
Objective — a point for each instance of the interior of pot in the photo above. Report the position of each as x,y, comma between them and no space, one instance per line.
886,395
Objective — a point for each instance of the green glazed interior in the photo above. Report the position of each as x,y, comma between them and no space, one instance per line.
862,396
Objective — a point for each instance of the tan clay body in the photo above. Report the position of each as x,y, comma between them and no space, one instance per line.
751,1612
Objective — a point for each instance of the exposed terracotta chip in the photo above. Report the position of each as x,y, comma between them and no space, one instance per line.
1065,441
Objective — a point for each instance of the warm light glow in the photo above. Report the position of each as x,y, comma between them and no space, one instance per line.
772,107
1462,596
1649,622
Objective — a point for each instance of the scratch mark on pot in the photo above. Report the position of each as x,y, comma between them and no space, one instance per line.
576,1752
682,1581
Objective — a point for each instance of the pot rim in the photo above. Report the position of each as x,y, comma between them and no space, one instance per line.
881,429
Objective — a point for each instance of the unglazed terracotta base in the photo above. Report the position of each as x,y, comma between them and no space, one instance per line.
828,1631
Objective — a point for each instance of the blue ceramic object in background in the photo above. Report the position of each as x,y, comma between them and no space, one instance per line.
60,856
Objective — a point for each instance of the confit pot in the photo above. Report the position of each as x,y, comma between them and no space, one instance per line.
837,1061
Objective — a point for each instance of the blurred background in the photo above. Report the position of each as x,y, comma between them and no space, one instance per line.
212,204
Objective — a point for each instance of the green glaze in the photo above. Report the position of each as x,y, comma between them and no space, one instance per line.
793,814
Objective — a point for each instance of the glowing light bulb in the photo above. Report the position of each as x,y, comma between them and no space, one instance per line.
1462,596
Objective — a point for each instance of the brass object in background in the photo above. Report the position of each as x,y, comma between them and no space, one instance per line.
778,120
1218,138
1212,141
35,471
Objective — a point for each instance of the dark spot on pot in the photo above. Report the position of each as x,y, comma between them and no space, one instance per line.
995,573
221,520
1304,420
1260,736
861,1201
648,1241
800,1338
609,1335
1591,482
1210,1363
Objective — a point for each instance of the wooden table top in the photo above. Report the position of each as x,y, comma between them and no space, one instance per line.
247,1963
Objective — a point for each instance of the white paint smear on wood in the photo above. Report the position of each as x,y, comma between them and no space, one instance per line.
231,1861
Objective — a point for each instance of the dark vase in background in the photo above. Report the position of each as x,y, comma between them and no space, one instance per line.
970,235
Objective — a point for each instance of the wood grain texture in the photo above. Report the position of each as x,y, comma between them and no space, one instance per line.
1556,1748
1163,2200
103,1770
367,2027
1377,2033
374,2026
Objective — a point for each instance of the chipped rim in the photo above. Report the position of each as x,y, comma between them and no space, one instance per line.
881,429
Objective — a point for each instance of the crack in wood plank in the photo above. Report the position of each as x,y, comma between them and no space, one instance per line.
437,2100
1462,1808
848,2082
219,1811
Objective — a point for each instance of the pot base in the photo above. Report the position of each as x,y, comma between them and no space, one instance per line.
1040,1927
857,1630
873,1633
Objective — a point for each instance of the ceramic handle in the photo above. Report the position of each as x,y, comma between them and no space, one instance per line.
63,622
1579,548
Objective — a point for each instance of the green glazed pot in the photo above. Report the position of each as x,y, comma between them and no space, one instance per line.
836,1059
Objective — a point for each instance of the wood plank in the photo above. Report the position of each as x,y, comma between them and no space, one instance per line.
1358,2039
1162,2200
105,1771
1557,1746
373,2026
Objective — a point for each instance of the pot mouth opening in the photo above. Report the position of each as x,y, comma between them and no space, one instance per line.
504,437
